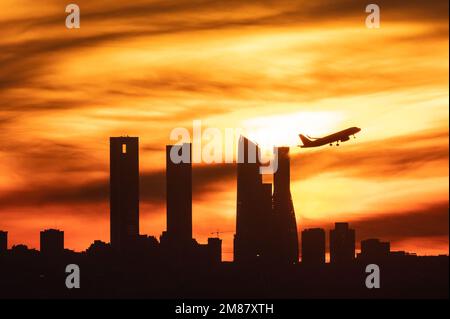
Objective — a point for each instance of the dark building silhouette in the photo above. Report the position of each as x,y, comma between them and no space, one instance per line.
313,246
215,249
21,251
252,196
179,195
266,241
177,242
145,243
3,242
124,191
266,229
99,248
286,235
51,242
342,244
374,249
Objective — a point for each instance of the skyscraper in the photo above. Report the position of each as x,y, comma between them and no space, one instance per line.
124,191
266,244
250,210
374,249
179,194
3,242
342,244
51,242
284,210
215,250
313,246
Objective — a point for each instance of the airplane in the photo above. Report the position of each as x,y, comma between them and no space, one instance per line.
341,136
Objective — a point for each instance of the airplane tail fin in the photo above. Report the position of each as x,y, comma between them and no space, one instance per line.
305,140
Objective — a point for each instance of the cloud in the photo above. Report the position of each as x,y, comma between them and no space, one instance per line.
429,221
152,185
285,10
21,61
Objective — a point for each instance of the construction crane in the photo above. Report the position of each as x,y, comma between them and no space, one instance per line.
218,232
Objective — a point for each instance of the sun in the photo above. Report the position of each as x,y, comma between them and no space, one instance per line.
283,129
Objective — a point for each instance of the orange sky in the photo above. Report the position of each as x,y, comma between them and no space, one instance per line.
273,68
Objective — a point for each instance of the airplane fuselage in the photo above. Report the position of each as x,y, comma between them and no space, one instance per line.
341,136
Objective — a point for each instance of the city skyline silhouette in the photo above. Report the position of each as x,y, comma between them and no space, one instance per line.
124,199
229,71
89,112
266,241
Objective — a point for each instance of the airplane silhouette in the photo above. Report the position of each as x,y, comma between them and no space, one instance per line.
341,136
